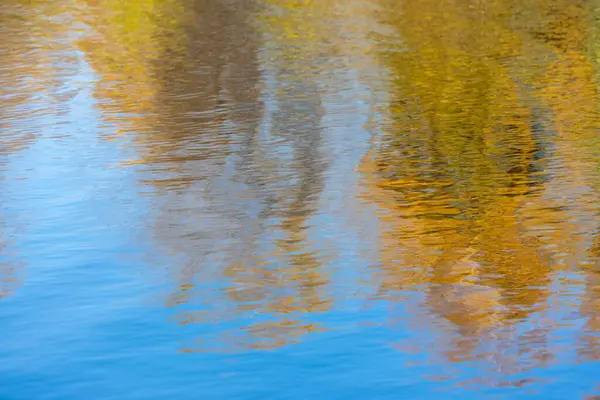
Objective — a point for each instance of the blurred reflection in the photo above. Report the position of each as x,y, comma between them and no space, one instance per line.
35,67
478,216
570,90
482,168
287,159
240,178
28,70
10,266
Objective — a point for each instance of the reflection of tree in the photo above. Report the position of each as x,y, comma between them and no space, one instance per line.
280,163
292,280
157,69
458,170
30,74
570,90
235,195
284,165
289,157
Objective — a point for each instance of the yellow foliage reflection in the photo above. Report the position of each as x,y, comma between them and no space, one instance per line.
472,206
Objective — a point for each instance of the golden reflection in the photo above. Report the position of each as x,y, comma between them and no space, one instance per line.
178,78
236,192
32,64
569,88
485,172
462,172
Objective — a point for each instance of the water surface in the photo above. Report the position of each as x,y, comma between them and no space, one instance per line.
284,199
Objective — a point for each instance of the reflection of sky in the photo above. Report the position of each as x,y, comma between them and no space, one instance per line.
88,321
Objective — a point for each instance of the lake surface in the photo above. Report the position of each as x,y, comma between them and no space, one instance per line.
299,199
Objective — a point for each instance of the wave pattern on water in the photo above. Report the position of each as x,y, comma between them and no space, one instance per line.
329,199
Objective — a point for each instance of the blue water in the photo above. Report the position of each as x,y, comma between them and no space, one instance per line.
187,211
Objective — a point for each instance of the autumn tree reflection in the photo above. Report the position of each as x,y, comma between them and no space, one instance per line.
462,172
287,167
484,173
570,89
237,172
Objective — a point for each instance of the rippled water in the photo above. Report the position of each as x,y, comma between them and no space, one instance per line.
287,199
